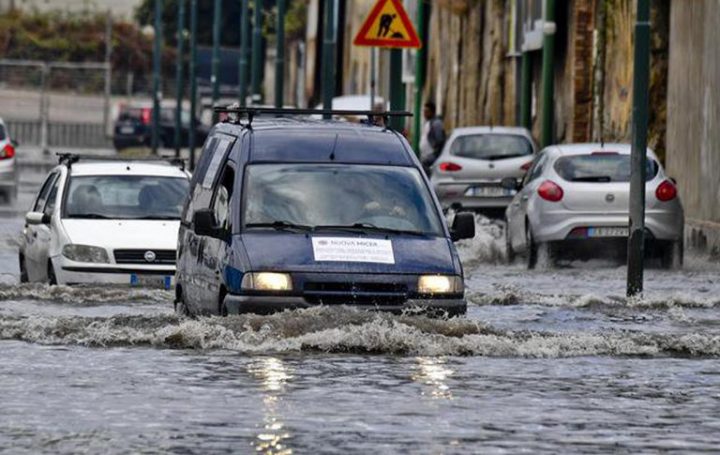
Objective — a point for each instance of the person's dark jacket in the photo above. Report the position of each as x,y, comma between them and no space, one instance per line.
436,138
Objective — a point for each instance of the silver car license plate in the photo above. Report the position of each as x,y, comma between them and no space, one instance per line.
151,281
488,191
611,231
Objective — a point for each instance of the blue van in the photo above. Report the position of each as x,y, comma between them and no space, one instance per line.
292,212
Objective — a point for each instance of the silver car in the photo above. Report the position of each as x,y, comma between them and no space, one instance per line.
8,171
474,161
577,195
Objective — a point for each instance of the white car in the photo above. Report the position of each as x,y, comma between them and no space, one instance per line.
8,170
576,196
112,222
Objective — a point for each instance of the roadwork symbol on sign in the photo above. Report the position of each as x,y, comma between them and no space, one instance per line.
387,25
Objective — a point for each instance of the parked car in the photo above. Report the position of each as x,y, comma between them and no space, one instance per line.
104,222
133,127
8,168
578,194
294,213
474,161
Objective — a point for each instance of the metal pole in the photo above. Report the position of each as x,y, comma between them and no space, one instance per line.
328,60
419,78
372,77
548,64
44,76
157,94
280,55
256,69
244,39
526,91
215,63
641,77
193,82
396,88
180,86
108,69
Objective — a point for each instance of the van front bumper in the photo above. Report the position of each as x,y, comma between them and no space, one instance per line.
237,304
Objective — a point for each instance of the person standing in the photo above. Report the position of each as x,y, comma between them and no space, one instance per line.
432,136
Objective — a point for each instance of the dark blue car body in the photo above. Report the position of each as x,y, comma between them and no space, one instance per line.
213,264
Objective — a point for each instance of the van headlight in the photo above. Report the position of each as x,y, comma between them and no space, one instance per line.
266,281
440,284
86,253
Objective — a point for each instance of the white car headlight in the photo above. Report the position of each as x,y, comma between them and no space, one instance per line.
86,253
266,281
440,284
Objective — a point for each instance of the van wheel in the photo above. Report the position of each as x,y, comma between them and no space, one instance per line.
52,278
532,249
672,255
23,270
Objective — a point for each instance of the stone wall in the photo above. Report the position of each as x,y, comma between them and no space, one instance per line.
693,114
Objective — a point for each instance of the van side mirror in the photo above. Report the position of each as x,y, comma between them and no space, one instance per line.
510,183
204,223
463,227
37,218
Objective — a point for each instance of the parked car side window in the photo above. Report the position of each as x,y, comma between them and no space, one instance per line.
537,169
44,192
52,198
221,203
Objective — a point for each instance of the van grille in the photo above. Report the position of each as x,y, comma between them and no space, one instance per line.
329,293
164,257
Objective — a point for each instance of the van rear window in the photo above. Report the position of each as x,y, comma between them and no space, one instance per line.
600,168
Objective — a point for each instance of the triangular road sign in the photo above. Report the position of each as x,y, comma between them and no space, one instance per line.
387,25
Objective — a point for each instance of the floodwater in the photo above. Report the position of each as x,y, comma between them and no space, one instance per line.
550,360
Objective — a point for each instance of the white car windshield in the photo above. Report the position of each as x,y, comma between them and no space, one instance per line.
360,197
491,146
126,197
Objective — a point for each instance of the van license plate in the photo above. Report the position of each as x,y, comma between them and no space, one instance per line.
607,232
151,281
488,191
127,130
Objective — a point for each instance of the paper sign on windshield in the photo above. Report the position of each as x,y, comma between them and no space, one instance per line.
341,249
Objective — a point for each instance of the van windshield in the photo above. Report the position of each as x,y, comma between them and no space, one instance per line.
358,197
126,197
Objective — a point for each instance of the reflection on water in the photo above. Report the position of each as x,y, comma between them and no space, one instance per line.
273,374
433,373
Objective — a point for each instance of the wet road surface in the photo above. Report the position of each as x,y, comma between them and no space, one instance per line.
551,360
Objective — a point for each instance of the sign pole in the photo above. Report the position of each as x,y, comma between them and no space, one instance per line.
641,76
215,62
328,58
179,83
193,83
244,39
396,88
157,60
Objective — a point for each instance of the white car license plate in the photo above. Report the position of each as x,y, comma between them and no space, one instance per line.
127,130
607,232
151,281
488,191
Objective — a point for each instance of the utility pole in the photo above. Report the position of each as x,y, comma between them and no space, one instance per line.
396,88
280,55
256,57
419,77
328,60
641,77
157,94
548,63
244,39
193,82
179,84
108,71
215,63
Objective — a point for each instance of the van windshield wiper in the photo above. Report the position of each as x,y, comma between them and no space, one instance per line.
95,216
365,227
281,225
593,178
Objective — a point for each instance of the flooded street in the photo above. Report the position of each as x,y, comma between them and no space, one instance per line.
551,360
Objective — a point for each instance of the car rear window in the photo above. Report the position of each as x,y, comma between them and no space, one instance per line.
491,146
2,132
600,168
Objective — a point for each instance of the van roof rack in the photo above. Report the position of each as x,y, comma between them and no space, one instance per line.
252,112
68,159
